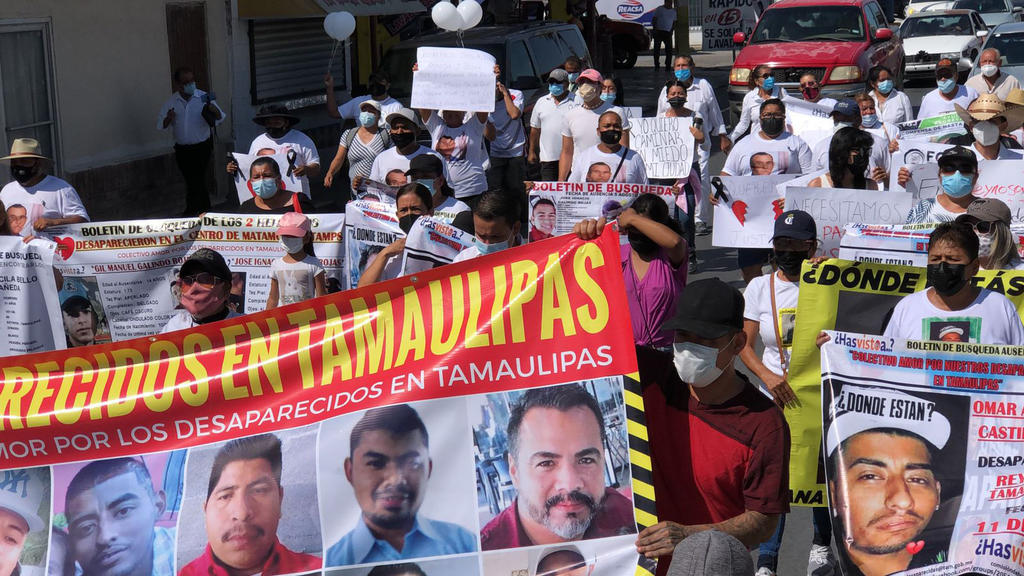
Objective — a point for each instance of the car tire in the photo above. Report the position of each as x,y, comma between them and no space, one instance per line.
624,56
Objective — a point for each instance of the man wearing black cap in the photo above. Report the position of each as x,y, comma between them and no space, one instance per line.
403,133
303,158
958,172
720,448
205,282
949,92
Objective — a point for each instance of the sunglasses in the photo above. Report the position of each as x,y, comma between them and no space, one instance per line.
944,74
204,279
981,227
764,76
965,168
76,312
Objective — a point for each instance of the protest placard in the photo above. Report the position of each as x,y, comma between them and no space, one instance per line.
947,413
453,79
665,144
911,153
132,265
903,244
555,207
809,120
299,402
745,217
833,208
724,18
1000,179
369,227
376,191
935,129
285,166
431,243
29,305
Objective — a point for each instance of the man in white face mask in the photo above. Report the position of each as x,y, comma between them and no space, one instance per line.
992,80
985,117
720,448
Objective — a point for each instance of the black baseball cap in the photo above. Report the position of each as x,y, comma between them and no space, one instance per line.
206,260
425,163
795,224
958,157
708,308
75,301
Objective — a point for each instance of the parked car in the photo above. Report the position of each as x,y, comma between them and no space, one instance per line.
918,6
993,12
1009,40
628,39
930,36
837,40
525,52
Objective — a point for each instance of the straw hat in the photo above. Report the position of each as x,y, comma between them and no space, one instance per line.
984,107
1014,109
25,148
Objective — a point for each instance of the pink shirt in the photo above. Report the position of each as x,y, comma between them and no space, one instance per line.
652,300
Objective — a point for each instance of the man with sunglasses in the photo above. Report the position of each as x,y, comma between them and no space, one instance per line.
205,282
546,124
949,92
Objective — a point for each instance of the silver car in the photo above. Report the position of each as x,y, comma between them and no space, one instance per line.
1009,40
993,12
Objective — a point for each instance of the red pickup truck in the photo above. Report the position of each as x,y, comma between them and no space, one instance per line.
837,40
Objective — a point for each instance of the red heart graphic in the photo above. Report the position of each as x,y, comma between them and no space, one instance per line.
739,208
65,247
778,206
915,547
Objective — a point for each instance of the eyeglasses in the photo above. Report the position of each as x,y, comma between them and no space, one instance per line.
944,74
204,279
76,312
965,168
981,227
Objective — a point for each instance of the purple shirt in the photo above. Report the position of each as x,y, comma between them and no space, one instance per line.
652,300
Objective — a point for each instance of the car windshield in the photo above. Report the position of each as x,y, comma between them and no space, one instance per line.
398,64
939,25
810,23
1010,46
983,6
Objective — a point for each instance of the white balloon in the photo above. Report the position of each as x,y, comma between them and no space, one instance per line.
471,13
446,16
339,25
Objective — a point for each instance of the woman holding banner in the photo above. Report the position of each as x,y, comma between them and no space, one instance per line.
893,106
411,201
848,156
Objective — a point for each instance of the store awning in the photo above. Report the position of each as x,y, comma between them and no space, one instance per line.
256,9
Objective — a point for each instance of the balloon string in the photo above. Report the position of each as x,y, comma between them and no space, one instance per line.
458,35
333,52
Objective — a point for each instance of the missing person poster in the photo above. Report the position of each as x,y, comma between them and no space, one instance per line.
432,243
555,207
247,178
303,438
903,244
32,316
126,272
369,228
922,455
747,209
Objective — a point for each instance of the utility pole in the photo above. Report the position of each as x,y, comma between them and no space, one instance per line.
682,38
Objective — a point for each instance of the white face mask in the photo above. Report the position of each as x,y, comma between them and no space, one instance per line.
697,365
293,244
986,133
984,245
989,70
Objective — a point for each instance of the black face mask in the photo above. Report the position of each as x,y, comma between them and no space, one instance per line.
859,163
946,278
379,91
677,102
406,222
789,261
277,132
23,174
402,139
772,126
642,244
611,137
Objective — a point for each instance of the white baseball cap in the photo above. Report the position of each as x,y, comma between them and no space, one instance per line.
22,493
860,409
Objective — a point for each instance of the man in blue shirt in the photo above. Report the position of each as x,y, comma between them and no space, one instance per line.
389,466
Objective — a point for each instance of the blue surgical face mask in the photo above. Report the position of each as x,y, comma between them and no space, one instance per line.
556,90
573,77
768,84
869,120
486,249
947,85
367,119
427,183
683,74
608,96
956,185
885,86
265,188
189,89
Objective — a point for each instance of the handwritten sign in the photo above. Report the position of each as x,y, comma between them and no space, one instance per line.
834,208
665,144
453,79
1000,179
745,218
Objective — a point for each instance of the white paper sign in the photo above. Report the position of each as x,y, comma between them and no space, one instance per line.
453,79
1001,179
665,144
29,305
809,120
834,208
745,218
292,183
912,153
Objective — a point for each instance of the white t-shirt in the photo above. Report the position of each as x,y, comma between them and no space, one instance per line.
510,136
50,198
449,209
790,153
183,320
930,210
879,154
296,281
750,113
305,150
665,18
581,124
933,104
759,309
896,108
633,170
392,159
463,153
990,319
548,116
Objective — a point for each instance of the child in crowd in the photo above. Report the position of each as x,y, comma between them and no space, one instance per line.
298,275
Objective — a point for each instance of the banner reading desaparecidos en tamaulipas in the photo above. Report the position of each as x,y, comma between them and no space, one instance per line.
923,453
128,270
453,380
29,307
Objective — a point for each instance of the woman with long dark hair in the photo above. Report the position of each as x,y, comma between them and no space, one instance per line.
848,157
